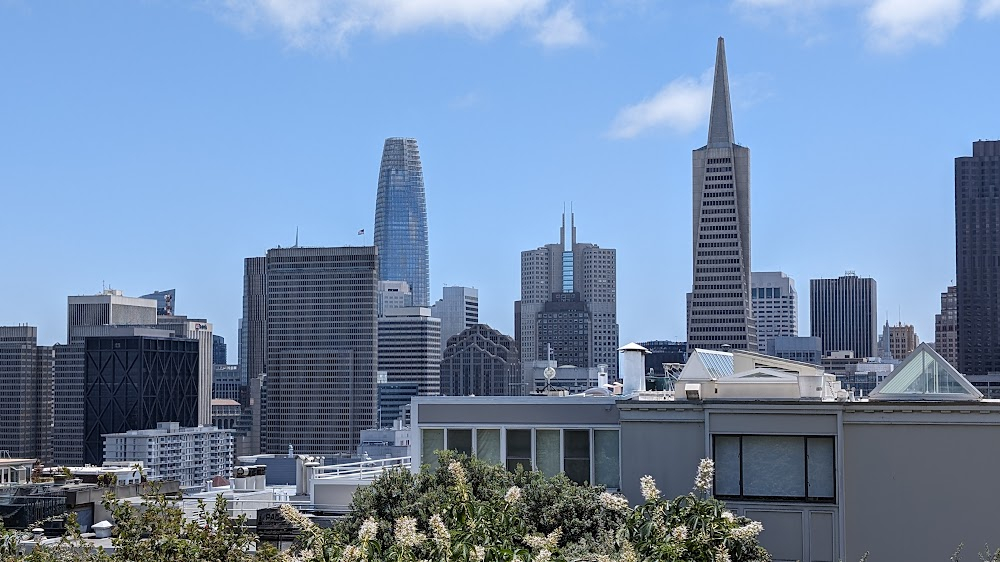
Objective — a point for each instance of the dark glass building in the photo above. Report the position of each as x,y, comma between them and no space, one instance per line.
483,362
401,219
664,351
134,382
977,258
564,330
219,351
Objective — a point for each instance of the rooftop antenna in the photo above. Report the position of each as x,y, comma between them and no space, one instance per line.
296,237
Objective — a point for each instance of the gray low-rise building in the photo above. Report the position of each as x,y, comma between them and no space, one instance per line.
807,349
829,477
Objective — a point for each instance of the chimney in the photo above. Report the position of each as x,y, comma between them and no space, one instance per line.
633,368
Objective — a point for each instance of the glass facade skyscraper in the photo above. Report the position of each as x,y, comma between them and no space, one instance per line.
401,219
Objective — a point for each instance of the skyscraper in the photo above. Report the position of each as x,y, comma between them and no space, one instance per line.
842,313
977,257
321,347
401,219
458,309
946,327
25,394
902,340
166,301
253,325
775,306
718,306
219,351
553,274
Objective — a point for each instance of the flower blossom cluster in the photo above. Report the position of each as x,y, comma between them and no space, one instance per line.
294,516
648,487
706,470
368,530
457,470
679,533
513,495
748,531
613,502
438,529
478,553
406,534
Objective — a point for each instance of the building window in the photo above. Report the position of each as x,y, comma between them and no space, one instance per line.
775,467
518,449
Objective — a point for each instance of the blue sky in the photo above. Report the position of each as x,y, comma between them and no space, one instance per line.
154,144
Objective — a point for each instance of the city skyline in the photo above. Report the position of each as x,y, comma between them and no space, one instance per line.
110,139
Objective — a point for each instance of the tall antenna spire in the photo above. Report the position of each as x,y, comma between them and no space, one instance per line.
562,229
296,237
720,121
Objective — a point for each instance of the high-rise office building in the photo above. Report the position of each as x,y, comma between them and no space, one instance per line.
946,327
902,340
321,347
197,329
843,314
253,324
718,307
458,309
977,257
165,301
401,219
550,277
134,379
409,348
26,371
110,308
220,354
87,316
775,306
483,362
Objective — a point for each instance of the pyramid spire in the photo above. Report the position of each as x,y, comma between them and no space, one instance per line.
720,121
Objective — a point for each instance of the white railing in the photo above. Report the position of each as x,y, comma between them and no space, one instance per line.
364,470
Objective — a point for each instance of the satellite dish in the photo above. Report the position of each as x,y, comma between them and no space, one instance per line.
549,373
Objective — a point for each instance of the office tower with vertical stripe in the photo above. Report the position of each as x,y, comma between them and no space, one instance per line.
718,307
26,371
977,258
843,314
322,336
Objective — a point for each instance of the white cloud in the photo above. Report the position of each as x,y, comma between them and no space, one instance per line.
681,105
989,9
561,29
332,23
894,25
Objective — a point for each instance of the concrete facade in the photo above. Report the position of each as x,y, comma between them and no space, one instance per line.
775,305
190,455
458,309
946,326
880,455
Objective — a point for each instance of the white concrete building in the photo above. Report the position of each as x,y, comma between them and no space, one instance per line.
393,294
190,455
775,305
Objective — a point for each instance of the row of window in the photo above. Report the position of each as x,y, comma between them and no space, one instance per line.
586,456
